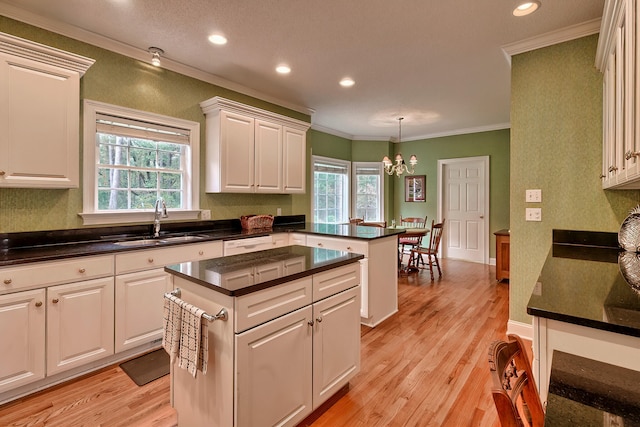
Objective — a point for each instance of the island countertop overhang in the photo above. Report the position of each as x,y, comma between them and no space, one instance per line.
303,261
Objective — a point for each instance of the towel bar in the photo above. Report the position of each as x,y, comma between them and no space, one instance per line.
222,314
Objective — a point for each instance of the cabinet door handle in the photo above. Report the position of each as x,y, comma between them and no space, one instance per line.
348,248
612,169
310,322
55,300
603,175
39,304
82,271
320,244
319,319
150,260
7,281
201,253
2,173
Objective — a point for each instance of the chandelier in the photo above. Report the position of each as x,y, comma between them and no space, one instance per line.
400,166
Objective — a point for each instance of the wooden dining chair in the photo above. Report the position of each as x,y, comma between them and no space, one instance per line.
408,243
514,389
417,254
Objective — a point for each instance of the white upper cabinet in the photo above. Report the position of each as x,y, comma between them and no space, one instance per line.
253,151
39,114
617,57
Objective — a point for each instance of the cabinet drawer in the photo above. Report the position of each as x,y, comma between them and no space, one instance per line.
262,306
155,258
345,245
336,280
55,272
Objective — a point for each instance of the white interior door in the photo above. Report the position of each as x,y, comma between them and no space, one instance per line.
463,201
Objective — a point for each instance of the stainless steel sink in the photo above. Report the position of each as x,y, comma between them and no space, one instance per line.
141,242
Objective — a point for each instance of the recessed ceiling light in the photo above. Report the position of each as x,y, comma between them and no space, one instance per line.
347,82
283,69
526,8
218,39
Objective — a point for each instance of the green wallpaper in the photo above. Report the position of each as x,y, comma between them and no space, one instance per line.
120,80
494,144
556,146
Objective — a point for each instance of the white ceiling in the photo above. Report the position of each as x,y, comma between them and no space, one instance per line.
439,63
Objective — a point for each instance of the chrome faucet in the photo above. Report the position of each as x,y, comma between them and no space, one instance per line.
160,212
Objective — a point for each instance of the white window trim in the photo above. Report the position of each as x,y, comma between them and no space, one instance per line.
90,215
340,162
354,185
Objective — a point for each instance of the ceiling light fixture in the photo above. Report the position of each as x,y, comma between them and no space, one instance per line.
283,69
218,39
347,82
156,53
400,167
526,8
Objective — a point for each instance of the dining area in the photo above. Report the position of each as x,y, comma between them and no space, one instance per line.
418,244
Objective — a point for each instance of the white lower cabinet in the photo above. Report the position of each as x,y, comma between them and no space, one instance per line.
79,323
274,371
139,307
22,328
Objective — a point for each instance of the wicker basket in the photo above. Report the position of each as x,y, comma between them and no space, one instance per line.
251,222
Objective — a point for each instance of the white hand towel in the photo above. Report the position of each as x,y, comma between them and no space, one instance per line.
172,317
193,352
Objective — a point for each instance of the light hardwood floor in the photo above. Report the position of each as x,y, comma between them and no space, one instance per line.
425,366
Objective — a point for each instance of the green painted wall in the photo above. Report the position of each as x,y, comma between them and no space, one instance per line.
494,144
121,80
556,146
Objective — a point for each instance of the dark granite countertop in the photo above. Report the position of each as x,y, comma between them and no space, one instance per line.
581,283
24,247
585,392
304,261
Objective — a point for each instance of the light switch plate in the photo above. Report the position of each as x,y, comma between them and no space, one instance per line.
533,196
533,214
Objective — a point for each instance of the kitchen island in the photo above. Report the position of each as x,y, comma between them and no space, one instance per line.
290,341
583,304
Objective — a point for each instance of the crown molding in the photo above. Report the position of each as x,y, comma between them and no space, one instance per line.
139,54
554,37
331,131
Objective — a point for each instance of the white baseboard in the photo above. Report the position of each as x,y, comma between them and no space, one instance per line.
492,261
523,330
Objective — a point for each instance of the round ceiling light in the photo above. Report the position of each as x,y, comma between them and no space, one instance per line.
283,69
218,39
347,82
526,8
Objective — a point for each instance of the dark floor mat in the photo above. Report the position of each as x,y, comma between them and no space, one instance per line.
148,367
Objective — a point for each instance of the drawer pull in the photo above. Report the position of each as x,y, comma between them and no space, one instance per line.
150,260
39,304
55,300
349,248
82,271
2,173
7,281
320,244
201,253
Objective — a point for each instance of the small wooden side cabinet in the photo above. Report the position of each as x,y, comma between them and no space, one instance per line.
502,255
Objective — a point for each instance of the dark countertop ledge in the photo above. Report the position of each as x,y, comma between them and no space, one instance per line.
582,390
25,247
210,273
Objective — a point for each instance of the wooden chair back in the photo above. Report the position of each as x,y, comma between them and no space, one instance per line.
356,220
435,236
413,222
514,389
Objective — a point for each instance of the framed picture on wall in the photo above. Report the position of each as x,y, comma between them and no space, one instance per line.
415,188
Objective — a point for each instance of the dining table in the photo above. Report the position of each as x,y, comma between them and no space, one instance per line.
409,232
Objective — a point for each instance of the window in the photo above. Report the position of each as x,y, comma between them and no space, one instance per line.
132,158
330,190
368,191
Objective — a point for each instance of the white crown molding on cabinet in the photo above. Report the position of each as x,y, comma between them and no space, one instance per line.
606,42
218,102
139,54
33,51
554,37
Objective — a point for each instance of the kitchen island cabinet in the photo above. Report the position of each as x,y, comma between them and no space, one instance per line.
288,344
